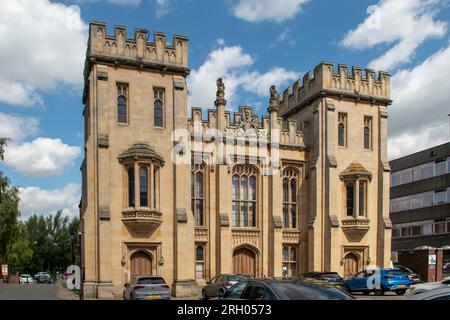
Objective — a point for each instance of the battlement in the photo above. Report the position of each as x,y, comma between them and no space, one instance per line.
360,84
245,124
119,48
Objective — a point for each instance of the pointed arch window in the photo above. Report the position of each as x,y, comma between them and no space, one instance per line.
367,132
198,194
342,129
158,107
244,196
200,262
290,180
143,186
289,261
122,103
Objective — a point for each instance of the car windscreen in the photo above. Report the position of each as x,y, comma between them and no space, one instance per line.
237,277
330,275
297,291
394,272
151,281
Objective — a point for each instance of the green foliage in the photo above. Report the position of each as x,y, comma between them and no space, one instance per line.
3,143
9,216
21,254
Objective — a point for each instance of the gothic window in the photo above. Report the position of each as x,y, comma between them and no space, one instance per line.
367,132
342,129
158,104
290,179
362,197
143,186
197,193
289,261
131,187
142,166
122,105
200,262
244,196
350,191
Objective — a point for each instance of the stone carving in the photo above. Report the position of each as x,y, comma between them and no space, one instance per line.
274,97
220,95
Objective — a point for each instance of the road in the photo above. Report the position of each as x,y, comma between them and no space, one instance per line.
386,296
28,292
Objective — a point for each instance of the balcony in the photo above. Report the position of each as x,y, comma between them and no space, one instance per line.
355,228
142,220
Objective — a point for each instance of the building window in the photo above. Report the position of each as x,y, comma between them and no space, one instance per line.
367,132
362,198
122,103
350,198
289,261
131,187
199,262
244,196
143,186
290,178
197,192
158,105
342,129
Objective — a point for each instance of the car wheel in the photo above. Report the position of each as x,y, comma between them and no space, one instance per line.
400,292
366,293
205,297
379,292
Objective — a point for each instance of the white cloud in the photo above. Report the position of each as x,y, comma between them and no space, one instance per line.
115,2
403,24
45,43
17,128
162,8
418,116
35,200
231,63
41,157
267,10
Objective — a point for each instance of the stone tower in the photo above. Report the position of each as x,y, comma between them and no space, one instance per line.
135,95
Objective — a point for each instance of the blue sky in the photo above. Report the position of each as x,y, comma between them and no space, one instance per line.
251,43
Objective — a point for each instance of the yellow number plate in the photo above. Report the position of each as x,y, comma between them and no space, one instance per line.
154,296
401,286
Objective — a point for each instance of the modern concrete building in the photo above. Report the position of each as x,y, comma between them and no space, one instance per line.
303,188
420,200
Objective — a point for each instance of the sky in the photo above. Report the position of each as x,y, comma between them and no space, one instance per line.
252,44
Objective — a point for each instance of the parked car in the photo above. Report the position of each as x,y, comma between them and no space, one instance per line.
43,277
390,280
422,287
220,284
446,268
332,278
413,277
285,289
146,288
25,278
434,294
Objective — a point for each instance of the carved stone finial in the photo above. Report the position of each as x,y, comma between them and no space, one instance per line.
274,98
220,94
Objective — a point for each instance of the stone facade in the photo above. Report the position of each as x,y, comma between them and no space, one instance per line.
305,188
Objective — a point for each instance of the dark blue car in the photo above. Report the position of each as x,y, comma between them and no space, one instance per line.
378,281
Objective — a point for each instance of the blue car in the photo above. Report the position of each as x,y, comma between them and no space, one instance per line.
378,281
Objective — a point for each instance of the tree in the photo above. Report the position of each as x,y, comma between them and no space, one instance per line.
20,255
9,215
3,143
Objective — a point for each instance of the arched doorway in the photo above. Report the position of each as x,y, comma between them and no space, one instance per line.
244,261
350,265
141,263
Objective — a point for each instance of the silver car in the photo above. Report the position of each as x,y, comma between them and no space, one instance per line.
220,284
146,288
434,294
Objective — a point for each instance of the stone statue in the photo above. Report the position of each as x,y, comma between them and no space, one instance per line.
274,98
220,95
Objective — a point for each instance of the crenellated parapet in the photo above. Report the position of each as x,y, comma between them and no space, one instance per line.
244,124
360,84
138,51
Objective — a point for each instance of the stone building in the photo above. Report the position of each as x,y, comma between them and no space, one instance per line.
188,196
